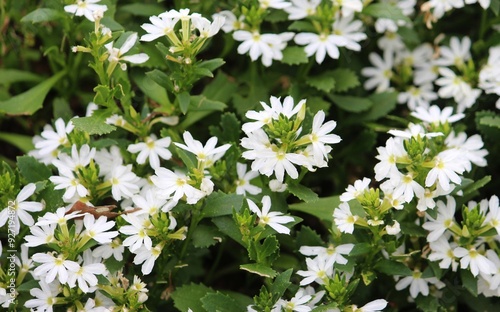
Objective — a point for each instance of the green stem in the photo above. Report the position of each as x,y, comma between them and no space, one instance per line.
195,219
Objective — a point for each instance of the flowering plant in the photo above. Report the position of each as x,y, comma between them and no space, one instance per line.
250,155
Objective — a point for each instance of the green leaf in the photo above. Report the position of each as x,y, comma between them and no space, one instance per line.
427,303
52,198
276,16
183,99
219,302
212,64
27,286
294,55
114,265
221,88
142,9
385,10
42,15
229,130
469,281
93,125
409,36
303,193
322,208
188,297
360,249
200,103
151,88
30,101
302,26
471,188
268,248
105,96
410,228
316,103
220,204
8,76
62,109
205,236
495,6
391,268
383,103
352,104
111,24
281,283
308,237
32,170
227,226
323,82
345,79
22,142
490,121
162,79
188,158
259,269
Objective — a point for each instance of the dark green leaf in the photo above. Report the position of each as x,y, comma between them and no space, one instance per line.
294,55
221,88
205,236
183,99
390,267
323,82
22,142
469,281
427,303
229,130
281,283
360,249
410,228
385,10
8,76
268,248
409,36
52,198
383,104
345,79
142,9
259,269
219,302
111,24
114,265
27,286
302,192
351,103
30,101
495,6
188,297
151,88
220,204
227,226
42,15
212,64
162,79
322,208
302,26
33,170
308,237
188,158
471,188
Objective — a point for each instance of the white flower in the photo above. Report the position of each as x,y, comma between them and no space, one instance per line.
485,4
332,254
51,140
78,159
147,257
277,186
96,229
176,183
344,219
434,115
372,306
351,31
105,251
443,250
297,303
243,185
52,267
388,156
405,186
231,23
123,182
278,162
418,96
273,219
394,229
493,215
353,191
86,274
206,28
348,7
414,131
116,55
380,75
301,9
275,4
318,270
160,26
453,86
321,44
152,148
19,209
71,184
206,155
151,204
469,148
108,160
85,8
476,262
46,297
445,220
418,284
60,217
255,43
447,167
457,54
320,135
441,6
137,231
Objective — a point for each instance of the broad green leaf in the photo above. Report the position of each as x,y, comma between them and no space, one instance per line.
30,101
62,109
27,286
345,79
111,24
410,228
33,170
52,198
200,103
22,142
229,130
226,225
151,88
495,6
95,124
391,268
219,302
385,10
268,248
183,99
409,36
114,265
205,236
350,103
220,204
427,303
188,158
469,281
142,9
276,16
383,104
307,237
221,88
259,269
316,103
188,297
203,72
281,283
294,55
303,193
212,64
42,15
323,82
322,208
104,96
162,79
8,76
360,249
